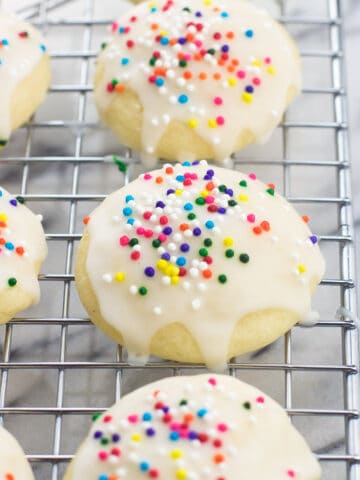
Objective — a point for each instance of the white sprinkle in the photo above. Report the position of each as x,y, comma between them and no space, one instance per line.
177,237
186,285
133,456
194,272
157,310
166,118
161,250
172,247
166,280
150,149
172,99
196,304
107,277
154,121
137,248
202,287
180,82
133,289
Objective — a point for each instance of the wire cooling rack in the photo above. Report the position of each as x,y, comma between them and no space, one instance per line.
58,369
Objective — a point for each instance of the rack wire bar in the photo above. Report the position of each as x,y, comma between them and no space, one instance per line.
61,321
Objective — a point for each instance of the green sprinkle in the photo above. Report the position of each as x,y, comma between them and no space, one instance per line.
271,191
156,243
222,188
203,252
183,402
95,416
119,163
20,199
247,405
3,143
243,183
191,216
244,257
186,9
114,82
222,278
208,242
232,203
200,201
211,51
152,61
182,63
143,291
229,253
104,441
133,242
103,45
12,282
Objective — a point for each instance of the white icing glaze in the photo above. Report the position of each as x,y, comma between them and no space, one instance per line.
22,246
243,434
21,48
256,37
207,308
13,465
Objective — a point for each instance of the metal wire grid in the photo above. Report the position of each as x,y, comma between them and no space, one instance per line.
342,238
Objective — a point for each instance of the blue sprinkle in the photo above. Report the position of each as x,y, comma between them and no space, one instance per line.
13,202
43,47
209,224
313,239
224,14
125,61
1,194
202,412
127,211
4,41
103,476
181,261
128,198
174,436
144,466
165,256
147,417
249,33
183,98
153,9
180,178
131,221
186,164
164,41
121,29
188,206
9,246
159,82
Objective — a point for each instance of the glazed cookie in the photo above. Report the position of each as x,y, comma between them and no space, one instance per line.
24,73
197,264
190,428
182,79
13,464
22,252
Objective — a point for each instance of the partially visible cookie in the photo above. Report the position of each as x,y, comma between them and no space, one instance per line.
22,252
192,428
24,73
13,464
181,79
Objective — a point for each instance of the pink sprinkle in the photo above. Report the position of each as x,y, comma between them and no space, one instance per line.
194,176
140,230
184,433
256,81
103,456
267,60
163,220
133,418
187,175
114,26
212,381
241,74
251,218
291,473
107,418
109,87
162,237
124,240
198,43
209,199
187,57
260,400
222,427
147,215
147,176
252,176
148,233
220,120
175,426
218,101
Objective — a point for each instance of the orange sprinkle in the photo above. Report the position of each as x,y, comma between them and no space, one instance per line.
257,230
169,170
271,185
207,273
187,75
197,57
202,76
305,218
180,55
173,41
113,477
188,417
9,476
86,220
265,226
230,35
159,180
20,250
184,226
3,224
235,62
210,186
119,88
221,61
218,458
160,71
154,26
217,76
231,69
190,37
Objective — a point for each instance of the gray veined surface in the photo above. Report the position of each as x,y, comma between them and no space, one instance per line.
57,369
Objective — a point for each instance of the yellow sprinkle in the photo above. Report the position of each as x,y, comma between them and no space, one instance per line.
152,4
272,70
136,437
171,271
301,268
179,192
207,2
162,264
175,280
3,217
228,242
175,454
247,97
212,123
243,197
204,193
119,276
181,474
232,81
163,33
193,123
256,63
